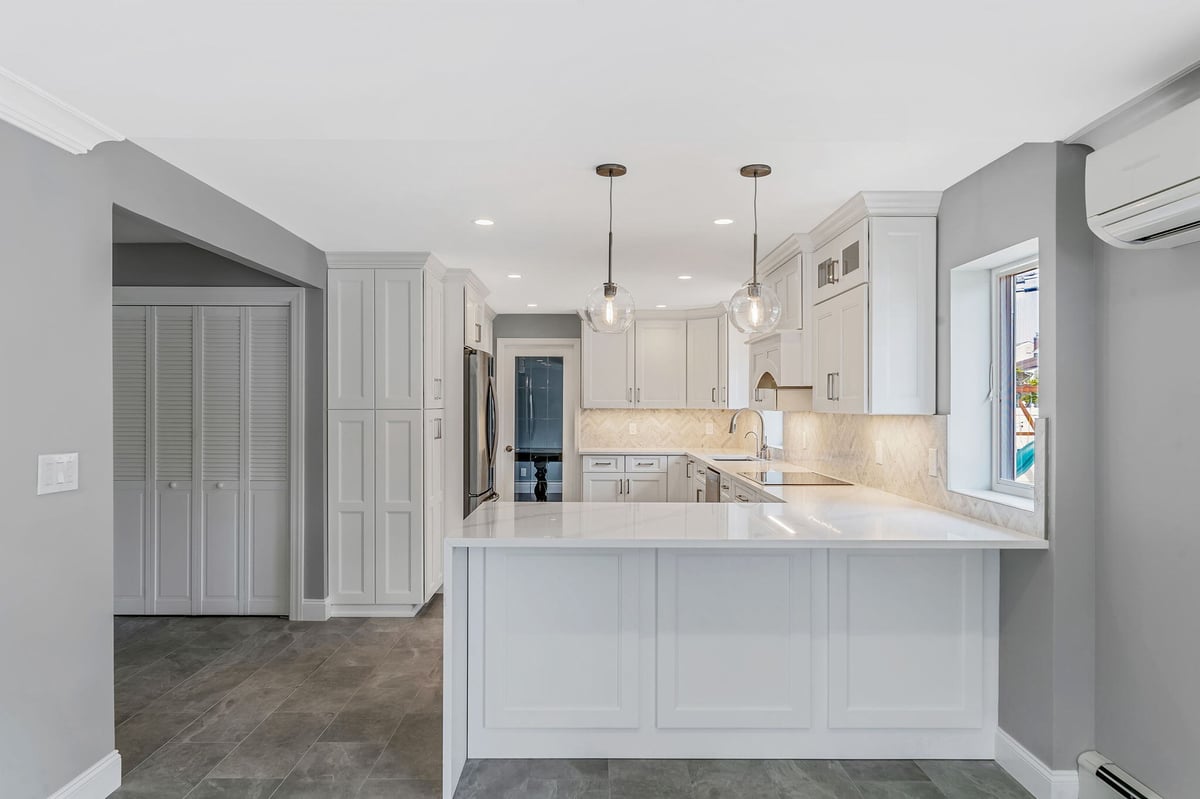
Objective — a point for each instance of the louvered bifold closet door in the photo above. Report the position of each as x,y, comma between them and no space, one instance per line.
172,429
130,508
222,429
269,399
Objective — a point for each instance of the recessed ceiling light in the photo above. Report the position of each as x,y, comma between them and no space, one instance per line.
722,221
514,277
484,222
685,277
660,306
531,305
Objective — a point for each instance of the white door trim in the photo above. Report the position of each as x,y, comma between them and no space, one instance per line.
507,350
293,298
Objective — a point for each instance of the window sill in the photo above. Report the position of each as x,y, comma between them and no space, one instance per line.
1026,504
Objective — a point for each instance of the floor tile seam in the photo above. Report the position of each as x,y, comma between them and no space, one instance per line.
300,759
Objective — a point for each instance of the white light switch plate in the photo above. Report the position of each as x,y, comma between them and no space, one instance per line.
709,429
633,428
879,452
58,473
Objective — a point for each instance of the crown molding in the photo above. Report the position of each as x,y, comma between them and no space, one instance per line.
875,203
384,260
27,107
468,278
787,249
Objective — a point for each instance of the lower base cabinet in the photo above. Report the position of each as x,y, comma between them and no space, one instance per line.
621,487
750,653
386,506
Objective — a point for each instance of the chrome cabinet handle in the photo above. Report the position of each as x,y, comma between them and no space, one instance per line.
627,488
724,393
629,394
620,487
714,395
689,469
837,383
829,386
478,332
639,394
439,431
833,271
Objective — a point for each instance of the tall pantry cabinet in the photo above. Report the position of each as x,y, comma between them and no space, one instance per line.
386,450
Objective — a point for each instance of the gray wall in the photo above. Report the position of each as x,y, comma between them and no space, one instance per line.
536,325
186,265
182,265
56,214
1047,625
1148,550
56,571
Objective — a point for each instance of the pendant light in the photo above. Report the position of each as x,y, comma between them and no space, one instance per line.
755,308
609,307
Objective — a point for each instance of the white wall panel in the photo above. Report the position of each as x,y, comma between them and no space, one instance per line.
906,639
561,639
734,647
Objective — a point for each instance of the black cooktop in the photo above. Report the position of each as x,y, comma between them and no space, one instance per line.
795,479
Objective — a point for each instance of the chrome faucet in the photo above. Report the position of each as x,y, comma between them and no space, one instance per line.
760,448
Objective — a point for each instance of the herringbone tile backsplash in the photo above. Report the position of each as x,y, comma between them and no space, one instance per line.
610,428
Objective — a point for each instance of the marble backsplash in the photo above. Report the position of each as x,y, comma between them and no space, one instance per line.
657,428
843,446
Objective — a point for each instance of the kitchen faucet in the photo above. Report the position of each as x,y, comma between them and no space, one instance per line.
760,448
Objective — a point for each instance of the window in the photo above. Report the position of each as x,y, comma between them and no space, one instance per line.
1015,390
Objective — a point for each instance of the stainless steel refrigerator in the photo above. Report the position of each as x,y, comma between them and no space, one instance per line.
480,433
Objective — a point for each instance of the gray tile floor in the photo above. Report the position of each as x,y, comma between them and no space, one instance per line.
253,707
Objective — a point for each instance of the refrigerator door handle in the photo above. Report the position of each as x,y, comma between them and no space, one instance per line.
491,410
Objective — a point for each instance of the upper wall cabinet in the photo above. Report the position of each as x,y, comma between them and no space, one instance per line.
691,360
351,325
399,353
435,343
875,320
477,321
786,280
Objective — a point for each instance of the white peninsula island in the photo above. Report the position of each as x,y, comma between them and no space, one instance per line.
843,622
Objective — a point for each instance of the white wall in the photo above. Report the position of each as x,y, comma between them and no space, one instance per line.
1148,547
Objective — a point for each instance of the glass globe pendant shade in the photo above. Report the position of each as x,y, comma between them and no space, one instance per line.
755,309
609,308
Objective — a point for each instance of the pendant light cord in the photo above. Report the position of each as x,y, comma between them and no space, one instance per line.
754,264
610,221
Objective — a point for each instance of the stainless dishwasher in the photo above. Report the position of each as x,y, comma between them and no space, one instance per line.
712,486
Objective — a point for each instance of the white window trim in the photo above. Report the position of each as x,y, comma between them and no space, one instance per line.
1001,485
970,425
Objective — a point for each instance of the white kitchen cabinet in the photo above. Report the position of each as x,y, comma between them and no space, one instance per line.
645,487
352,507
434,340
477,321
786,280
608,376
875,347
435,499
843,263
350,321
703,363
660,363
387,461
603,486
678,480
399,383
699,487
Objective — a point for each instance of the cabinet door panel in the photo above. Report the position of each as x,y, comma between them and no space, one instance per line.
850,384
828,347
646,487
660,363
607,369
903,315
352,507
399,546
603,487
351,326
267,564
173,549
435,342
398,351
435,500
220,515
703,363
129,547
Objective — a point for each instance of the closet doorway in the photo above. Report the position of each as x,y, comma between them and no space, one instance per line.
207,460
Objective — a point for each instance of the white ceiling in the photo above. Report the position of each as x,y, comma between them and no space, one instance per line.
392,124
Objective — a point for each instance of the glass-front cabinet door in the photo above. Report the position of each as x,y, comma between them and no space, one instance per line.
538,416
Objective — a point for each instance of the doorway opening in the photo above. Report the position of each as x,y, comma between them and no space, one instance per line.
537,382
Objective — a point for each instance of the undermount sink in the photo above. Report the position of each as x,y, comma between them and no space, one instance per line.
734,458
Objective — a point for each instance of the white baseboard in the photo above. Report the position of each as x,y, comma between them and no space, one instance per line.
100,780
1034,775
375,611
314,610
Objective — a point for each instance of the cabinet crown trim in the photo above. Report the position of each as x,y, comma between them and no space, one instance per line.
385,260
875,203
469,278
783,252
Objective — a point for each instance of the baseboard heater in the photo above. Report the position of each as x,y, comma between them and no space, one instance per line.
1100,778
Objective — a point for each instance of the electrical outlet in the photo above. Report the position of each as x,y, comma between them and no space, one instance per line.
933,462
804,439
709,429
879,452
633,428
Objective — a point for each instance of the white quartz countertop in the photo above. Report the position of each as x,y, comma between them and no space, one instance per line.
814,517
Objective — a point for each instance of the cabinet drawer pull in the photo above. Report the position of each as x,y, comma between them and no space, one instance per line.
646,463
714,395
602,463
